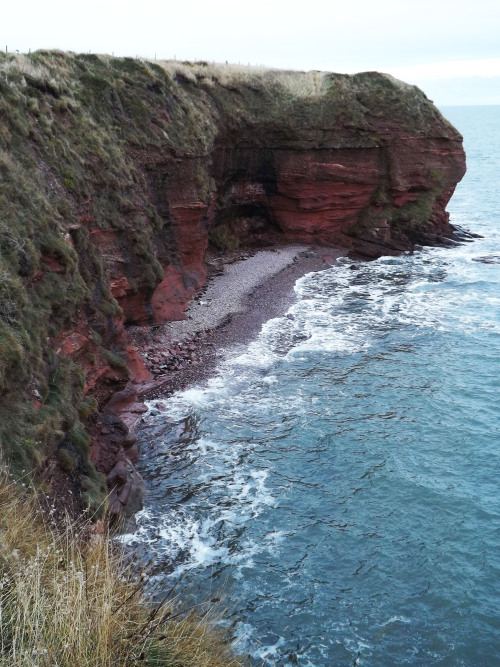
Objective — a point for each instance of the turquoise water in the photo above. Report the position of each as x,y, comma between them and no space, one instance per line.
339,476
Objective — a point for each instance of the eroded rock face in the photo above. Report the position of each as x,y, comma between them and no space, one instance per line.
373,174
352,197
368,163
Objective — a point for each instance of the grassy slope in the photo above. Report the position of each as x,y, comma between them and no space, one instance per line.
67,599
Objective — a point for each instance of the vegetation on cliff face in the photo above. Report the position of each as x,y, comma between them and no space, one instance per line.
89,145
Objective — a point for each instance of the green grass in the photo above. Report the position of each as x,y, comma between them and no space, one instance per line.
223,238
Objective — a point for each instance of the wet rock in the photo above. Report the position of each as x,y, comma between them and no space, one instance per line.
133,453
488,259
126,498
118,474
130,439
464,235
134,501
115,506
124,492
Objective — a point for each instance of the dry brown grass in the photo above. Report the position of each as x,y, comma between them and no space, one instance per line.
298,84
67,599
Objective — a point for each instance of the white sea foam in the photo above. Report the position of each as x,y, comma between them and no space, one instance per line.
270,651
237,496
396,619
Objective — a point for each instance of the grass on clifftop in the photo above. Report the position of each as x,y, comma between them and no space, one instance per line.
67,600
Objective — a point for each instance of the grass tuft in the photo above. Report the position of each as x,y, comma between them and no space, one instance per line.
67,598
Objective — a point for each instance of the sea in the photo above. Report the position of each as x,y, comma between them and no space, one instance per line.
336,482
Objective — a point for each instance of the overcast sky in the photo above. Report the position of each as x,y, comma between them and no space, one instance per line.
451,49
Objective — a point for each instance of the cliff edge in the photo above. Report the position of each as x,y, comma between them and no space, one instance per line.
116,177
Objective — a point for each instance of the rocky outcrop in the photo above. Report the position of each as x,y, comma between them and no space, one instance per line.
119,174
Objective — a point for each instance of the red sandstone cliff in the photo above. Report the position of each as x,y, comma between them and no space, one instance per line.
142,164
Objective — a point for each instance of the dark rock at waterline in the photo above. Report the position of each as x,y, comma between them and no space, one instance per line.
461,234
118,475
487,259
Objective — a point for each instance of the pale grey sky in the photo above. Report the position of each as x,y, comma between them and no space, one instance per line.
451,49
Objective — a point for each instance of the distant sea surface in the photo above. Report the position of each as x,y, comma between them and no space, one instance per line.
338,478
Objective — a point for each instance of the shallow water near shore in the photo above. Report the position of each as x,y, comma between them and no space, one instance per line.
338,477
